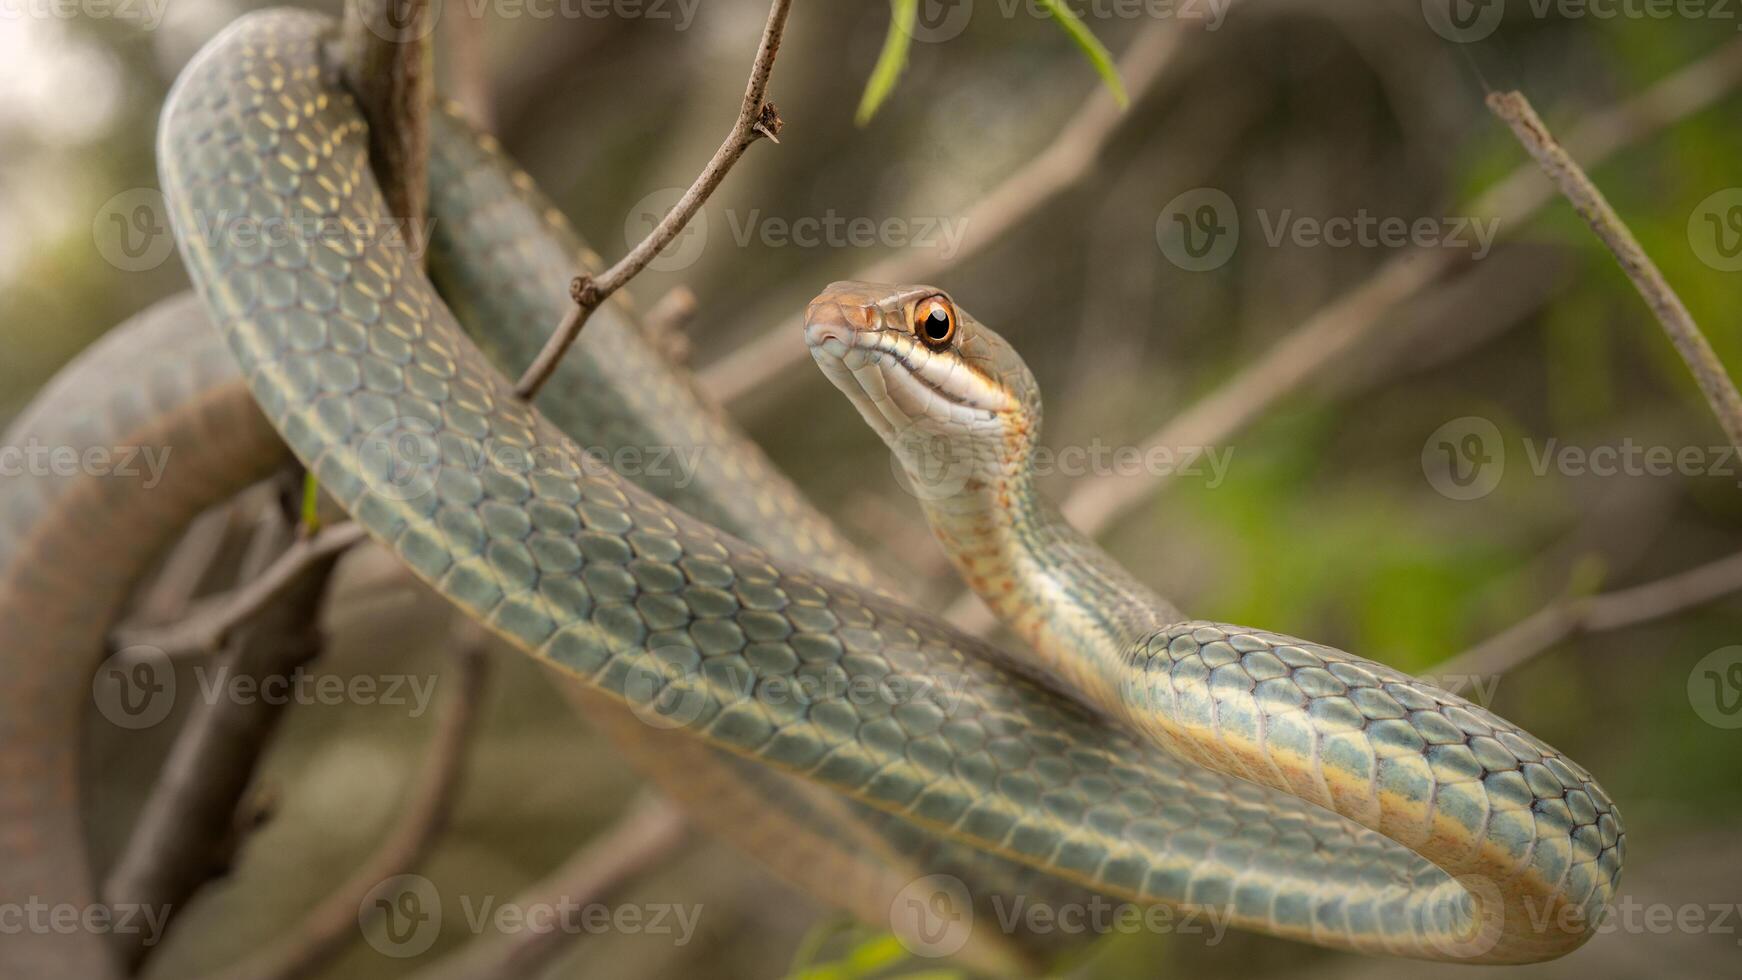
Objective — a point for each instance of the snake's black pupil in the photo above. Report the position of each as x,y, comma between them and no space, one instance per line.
937,326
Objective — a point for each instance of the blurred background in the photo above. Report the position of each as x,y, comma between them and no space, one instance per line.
1405,428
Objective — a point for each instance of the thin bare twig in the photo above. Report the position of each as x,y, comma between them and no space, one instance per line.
1567,618
333,924
1515,110
387,66
642,837
171,592
1070,156
211,622
1324,337
756,119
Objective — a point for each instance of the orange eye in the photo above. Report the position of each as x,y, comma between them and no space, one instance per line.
934,322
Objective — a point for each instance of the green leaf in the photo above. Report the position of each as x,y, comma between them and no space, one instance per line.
875,953
311,503
891,61
1092,48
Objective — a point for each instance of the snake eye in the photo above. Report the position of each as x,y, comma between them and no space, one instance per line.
934,322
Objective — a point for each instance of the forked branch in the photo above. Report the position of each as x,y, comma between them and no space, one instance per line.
757,119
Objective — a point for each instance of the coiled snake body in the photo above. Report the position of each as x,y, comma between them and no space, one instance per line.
1326,798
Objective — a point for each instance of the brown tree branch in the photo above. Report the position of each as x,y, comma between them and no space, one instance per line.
1567,618
469,77
334,922
188,829
756,119
646,834
1065,161
1515,110
387,66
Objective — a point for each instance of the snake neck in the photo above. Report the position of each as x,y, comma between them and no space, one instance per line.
1076,607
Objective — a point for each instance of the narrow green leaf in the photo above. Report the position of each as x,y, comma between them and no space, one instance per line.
875,953
1092,47
892,60
311,503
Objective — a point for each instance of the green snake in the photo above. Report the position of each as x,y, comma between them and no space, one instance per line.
1322,798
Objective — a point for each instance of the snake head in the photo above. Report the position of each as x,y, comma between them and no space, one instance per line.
950,397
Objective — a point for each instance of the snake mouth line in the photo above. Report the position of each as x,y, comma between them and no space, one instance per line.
835,354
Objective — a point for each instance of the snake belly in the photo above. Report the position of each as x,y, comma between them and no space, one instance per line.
350,354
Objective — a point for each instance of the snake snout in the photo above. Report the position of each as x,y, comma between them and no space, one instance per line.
829,319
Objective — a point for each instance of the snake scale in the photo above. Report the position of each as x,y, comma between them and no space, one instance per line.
1324,798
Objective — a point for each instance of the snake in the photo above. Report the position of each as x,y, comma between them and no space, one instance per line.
1318,818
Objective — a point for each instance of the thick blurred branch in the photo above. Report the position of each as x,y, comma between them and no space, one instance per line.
387,66
1071,155
1515,110
641,837
191,823
469,67
1322,340
757,118
334,923
1570,617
